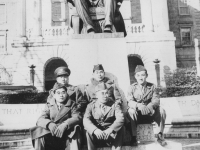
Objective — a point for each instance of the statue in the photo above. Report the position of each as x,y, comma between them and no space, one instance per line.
97,16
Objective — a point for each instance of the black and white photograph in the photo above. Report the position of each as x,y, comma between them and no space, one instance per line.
99,74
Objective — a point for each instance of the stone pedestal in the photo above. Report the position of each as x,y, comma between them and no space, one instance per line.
110,50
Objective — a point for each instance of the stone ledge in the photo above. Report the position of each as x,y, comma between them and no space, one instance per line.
186,120
150,37
98,35
40,41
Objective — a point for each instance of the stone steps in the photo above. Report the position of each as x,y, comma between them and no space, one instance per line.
14,132
26,145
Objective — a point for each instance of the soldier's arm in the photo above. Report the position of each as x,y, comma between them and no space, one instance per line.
87,120
117,95
81,101
155,101
119,121
44,119
75,119
130,98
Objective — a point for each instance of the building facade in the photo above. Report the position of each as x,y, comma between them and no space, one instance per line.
37,32
184,22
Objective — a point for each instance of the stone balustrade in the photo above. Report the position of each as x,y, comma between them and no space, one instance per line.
135,28
55,32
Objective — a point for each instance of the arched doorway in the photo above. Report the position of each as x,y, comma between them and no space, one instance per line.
49,68
133,61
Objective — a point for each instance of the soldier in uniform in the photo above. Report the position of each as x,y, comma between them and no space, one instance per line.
98,78
144,105
103,120
62,77
59,123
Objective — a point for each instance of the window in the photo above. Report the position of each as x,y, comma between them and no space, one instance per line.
136,16
2,14
186,39
60,13
183,7
2,43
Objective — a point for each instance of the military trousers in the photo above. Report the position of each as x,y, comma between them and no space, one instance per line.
116,143
49,142
82,7
135,117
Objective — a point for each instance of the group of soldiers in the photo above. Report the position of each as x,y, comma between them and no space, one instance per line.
95,111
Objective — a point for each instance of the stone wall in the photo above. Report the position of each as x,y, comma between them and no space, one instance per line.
185,54
35,41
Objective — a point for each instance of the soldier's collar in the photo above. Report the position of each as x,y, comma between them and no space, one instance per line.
95,82
68,102
148,85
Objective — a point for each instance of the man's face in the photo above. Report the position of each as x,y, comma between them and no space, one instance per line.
141,77
98,75
60,95
102,96
63,79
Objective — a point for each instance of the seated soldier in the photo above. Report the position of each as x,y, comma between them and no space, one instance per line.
62,77
98,78
59,123
103,120
144,105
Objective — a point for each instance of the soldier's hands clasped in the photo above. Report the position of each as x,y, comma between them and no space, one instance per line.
107,133
60,130
143,108
52,127
99,134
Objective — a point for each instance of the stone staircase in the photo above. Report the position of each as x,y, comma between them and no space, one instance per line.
9,140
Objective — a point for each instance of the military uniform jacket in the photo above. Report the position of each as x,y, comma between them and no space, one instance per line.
90,90
75,94
94,119
148,96
67,114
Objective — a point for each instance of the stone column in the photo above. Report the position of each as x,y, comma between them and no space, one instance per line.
146,11
160,15
33,18
22,32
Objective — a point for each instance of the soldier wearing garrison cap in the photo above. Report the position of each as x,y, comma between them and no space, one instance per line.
98,78
103,120
58,124
144,105
62,77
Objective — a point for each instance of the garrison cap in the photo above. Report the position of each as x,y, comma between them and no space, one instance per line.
98,67
140,68
58,86
62,71
102,86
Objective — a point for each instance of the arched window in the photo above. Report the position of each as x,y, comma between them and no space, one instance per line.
49,68
133,61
